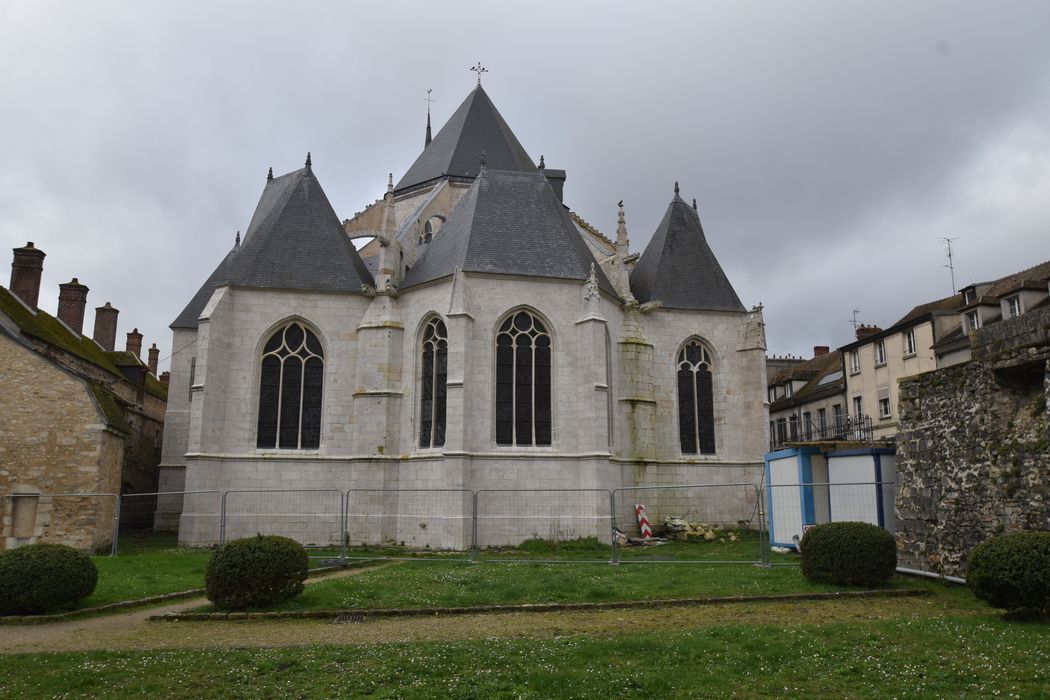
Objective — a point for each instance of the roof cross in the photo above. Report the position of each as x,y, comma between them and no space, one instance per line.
428,99
479,70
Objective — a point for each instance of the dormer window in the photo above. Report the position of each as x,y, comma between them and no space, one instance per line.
1013,306
968,296
973,319
430,229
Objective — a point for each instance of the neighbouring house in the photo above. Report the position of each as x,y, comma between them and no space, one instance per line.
487,337
807,402
76,415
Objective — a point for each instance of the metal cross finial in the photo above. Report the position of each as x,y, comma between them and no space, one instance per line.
479,70
428,99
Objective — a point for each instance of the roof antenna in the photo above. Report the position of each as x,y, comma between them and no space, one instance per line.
428,100
269,175
308,160
543,166
237,240
479,70
676,188
950,265
855,323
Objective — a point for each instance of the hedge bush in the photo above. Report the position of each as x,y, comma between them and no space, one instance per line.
37,578
255,572
852,554
1012,572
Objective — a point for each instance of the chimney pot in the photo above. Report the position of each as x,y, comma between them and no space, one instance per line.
134,345
154,357
26,267
165,378
820,350
72,298
106,326
867,331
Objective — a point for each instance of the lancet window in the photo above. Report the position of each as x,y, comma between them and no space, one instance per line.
523,381
696,416
433,391
290,388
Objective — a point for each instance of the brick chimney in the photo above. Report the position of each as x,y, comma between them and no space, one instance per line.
134,345
106,326
165,378
154,358
820,350
867,331
26,268
72,298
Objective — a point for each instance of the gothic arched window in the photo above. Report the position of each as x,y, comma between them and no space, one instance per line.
523,381
435,374
290,390
696,415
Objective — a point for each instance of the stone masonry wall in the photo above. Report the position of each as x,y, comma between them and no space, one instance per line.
973,455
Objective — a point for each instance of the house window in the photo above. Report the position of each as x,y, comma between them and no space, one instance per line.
1013,307
781,431
523,382
837,410
290,390
435,374
793,426
884,408
807,425
696,416
880,352
787,389
974,319
909,342
822,421
858,407
854,361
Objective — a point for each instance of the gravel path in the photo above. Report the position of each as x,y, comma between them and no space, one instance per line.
130,631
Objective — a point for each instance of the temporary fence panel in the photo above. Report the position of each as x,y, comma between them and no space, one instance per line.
408,522
84,521
313,517
713,523
167,519
540,522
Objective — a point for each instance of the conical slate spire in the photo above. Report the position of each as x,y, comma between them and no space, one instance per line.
678,267
455,151
508,223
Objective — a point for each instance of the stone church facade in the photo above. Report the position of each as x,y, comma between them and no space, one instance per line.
486,338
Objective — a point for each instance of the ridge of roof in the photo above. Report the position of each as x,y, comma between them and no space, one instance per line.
475,128
809,369
508,222
951,303
679,268
296,241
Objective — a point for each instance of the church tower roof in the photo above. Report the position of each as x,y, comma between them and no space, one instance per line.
190,314
678,267
295,241
475,127
508,223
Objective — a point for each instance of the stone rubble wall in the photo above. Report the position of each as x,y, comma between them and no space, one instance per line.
973,455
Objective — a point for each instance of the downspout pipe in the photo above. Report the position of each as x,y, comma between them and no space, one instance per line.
931,574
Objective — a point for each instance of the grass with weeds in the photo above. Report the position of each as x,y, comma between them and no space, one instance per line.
952,656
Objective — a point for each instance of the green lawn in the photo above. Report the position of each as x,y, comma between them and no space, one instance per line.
973,656
133,576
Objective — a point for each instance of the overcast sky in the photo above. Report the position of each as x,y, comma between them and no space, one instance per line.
830,145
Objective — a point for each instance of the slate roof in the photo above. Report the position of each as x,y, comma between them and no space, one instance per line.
817,373
508,223
949,304
678,267
190,314
474,127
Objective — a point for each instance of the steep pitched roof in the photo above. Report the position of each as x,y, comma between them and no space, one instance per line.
949,304
190,314
475,127
295,241
678,267
508,223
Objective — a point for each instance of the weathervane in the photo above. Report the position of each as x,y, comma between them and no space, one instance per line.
479,70
429,99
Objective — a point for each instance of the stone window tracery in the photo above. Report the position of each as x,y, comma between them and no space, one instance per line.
433,391
696,417
290,389
523,382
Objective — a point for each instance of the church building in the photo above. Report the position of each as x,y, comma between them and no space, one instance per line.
485,338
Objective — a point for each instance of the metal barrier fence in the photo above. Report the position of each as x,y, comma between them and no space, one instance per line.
720,523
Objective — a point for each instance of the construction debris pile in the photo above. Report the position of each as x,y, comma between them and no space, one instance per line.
681,530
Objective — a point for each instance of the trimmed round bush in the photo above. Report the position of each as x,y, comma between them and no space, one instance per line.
255,572
851,554
1012,573
37,578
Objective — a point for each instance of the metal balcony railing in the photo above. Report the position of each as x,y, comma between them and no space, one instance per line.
795,429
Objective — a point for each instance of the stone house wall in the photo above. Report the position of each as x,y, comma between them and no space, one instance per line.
973,451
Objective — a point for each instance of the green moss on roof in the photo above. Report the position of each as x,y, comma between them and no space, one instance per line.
46,327
114,415
155,388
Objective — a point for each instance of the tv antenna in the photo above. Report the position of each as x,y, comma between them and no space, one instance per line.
951,263
854,322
